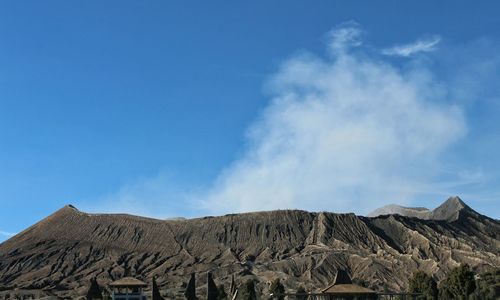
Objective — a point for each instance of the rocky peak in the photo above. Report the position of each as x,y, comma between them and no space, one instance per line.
450,209
447,211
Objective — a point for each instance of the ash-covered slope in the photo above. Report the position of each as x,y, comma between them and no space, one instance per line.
64,251
394,209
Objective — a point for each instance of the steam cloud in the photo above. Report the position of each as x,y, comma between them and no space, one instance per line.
421,45
345,132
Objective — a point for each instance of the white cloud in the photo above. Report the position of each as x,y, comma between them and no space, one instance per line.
421,45
345,36
346,132
342,134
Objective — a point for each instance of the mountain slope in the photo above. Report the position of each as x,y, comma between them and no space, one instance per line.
393,209
65,250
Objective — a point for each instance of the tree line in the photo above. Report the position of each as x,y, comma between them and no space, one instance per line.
460,284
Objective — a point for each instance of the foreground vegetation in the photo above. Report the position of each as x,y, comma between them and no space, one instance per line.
461,284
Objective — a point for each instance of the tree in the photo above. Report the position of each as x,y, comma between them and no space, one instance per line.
423,284
459,284
212,289
155,291
301,293
277,290
190,292
488,286
248,291
221,293
94,291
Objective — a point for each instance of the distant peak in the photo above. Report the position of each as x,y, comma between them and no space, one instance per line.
450,209
455,201
394,209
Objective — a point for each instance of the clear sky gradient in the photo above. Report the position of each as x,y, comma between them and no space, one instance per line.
188,108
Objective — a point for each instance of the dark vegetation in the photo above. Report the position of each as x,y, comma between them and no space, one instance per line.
460,284
301,291
248,291
277,290
487,286
423,284
221,293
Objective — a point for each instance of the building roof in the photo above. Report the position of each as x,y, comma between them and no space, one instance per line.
128,281
342,284
347,289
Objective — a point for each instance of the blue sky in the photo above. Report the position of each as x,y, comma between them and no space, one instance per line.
183,108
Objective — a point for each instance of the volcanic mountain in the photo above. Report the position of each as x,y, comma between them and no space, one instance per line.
64,251
448,211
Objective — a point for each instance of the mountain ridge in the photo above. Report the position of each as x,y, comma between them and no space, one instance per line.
448,210
63,251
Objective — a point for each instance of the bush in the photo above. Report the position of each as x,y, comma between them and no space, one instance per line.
221,293
459,284
488,286
301,291
424,284
277,290
248,291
